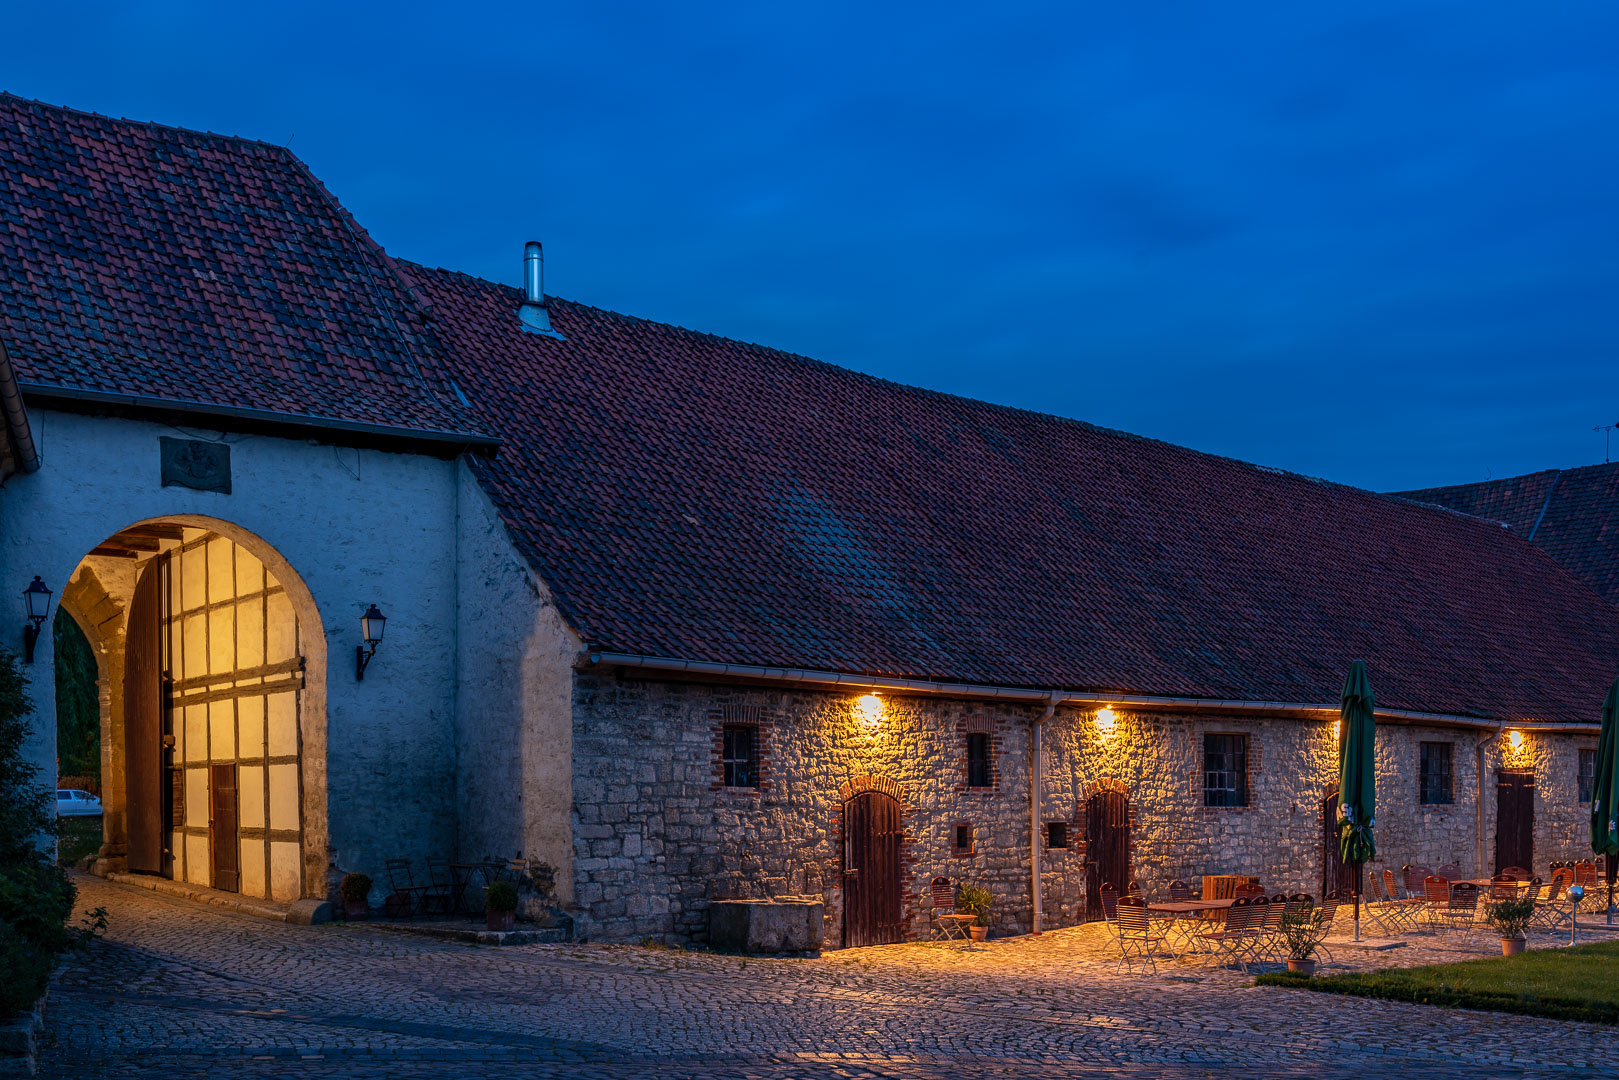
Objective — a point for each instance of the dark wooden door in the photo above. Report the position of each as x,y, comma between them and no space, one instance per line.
1107,847
222,840
1336,875
871,885
1514,819
143,724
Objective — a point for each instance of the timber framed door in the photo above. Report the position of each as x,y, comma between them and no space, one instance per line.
872,834
1514,819
144,785
223,817
1336,875
1107,847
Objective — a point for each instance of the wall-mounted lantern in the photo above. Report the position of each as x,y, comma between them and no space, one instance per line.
371,624
38,599
1106,723
1515,737
870,707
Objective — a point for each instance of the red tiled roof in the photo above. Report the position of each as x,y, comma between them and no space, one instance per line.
697,498
1571,514
152,262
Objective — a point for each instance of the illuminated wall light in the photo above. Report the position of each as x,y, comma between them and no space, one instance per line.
1338,730
1515,738
1106,723
870,707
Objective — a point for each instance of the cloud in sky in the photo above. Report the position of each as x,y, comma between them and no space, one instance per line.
1375,244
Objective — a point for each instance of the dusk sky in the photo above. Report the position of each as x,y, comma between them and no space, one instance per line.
1376,245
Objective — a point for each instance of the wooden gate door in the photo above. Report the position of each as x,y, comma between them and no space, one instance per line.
871,870
223,842
1336,875
1514,819
143,724
1107,847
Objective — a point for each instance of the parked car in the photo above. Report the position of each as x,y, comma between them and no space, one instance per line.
71,802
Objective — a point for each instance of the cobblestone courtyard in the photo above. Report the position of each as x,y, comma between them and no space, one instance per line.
182,990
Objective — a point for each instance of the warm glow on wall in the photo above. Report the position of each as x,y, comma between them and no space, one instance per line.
871,708
1106,722
1515,738
1338,730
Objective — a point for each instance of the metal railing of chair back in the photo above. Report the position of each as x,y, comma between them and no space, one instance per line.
1585,872
1436,889
1179,890
1516,873
1132,916
1415,877
1463,896
1503,887
1110,902
944,895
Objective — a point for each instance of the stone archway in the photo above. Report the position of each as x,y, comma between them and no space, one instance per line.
239,747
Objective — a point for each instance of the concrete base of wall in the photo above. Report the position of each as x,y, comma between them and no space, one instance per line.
765,926
240,905
472,936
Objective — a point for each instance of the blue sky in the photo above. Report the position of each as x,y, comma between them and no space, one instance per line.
1375,243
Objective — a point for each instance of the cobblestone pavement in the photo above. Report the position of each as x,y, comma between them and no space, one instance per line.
180,990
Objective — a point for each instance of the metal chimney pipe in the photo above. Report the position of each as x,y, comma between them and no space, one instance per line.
534,273
535,316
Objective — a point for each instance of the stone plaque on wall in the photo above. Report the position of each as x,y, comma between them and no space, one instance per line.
192,463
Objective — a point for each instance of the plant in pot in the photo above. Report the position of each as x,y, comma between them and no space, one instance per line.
354,888
976,901
1511,918
500,906
1302,932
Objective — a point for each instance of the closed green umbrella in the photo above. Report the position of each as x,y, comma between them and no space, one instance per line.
1605,791
1357,780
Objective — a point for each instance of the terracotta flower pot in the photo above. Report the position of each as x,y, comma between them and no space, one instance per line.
355,910
500,920
1512,946
978,933
1302,967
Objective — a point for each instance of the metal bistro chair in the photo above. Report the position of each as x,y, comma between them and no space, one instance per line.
1436,890
1139,941
1556,911
1516,873
1227,942
1179,890
1450,870
1110,907
1414,879
1503,887
1325,916
1460,910
947,923
405,896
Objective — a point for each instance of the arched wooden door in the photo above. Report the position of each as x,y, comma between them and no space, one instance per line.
143,725
871,870
1336,875
1514,819
1107,847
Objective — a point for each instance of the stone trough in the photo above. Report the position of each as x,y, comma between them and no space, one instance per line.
785,925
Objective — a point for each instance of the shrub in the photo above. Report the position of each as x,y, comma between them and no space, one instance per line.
354,887
1300,930
974,900
1510,918
502,896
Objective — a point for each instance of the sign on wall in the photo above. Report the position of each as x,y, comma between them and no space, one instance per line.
204,466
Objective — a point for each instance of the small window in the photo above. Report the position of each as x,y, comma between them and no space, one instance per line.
963,840
741,755
978,771
1056,834
1225,770
1587,774
1434,776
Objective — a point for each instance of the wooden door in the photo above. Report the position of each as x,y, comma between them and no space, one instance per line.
1336,875
143,724
1514,819
222,817
871,870
1107,847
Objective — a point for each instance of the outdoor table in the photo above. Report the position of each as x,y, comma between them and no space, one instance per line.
1183,912
466,872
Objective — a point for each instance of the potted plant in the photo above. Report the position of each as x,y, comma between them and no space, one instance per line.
354,889
1511,918
976,901
500,906
1301,930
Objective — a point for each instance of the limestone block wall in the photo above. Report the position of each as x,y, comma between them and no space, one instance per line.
656,836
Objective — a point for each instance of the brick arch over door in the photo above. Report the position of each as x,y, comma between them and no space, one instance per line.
861,784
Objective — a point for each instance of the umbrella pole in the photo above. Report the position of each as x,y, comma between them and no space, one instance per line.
1357,901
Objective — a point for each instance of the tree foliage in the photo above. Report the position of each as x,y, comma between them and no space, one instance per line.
78,701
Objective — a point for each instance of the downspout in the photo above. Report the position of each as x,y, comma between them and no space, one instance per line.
1036,781
1478,805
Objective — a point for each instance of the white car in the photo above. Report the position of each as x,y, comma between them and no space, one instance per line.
71,802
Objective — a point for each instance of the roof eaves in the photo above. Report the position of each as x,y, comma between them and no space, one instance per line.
16,436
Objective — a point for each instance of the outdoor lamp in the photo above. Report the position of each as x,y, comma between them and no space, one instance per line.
371,624
1105,722
38,599
871,708
1515,737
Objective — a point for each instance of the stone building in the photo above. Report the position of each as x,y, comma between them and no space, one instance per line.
689,618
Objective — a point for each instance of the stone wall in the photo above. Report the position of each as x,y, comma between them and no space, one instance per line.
657,835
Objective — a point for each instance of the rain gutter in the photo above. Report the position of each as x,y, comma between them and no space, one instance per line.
1036,782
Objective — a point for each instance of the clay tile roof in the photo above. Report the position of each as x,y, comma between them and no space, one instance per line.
1571,514
693,497
149,262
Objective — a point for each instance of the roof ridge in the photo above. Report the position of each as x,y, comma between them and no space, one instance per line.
154,124
945,394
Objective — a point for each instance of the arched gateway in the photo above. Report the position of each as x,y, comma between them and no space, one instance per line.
211,721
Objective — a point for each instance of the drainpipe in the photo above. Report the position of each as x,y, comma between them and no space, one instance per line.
1036,781
1478,806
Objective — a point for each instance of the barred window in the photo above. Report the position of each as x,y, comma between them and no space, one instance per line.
741,755
1587,774
1435,776
978,771
962,840
1225,770
1056,834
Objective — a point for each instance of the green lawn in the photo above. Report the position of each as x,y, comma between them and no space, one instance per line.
80,836
1581,983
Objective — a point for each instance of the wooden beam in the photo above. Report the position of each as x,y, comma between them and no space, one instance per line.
110,552
156,531
133,543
